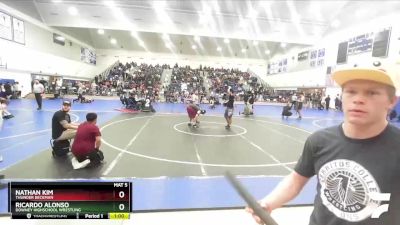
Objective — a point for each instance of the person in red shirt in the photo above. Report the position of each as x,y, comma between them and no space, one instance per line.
87,143
193,113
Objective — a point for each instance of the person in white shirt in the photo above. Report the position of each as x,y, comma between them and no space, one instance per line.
294,101
17,90
195,98
38,90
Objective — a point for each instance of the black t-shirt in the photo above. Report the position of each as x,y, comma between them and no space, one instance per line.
7,88
231,99
348,170
251,99
286,110
56,127
246,98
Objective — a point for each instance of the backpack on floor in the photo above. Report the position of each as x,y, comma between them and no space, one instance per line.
60,148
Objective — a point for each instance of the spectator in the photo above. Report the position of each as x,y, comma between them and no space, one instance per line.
286,111
4,113
327,102
353,161
62,127
38,90
17,90
2,92
338,103
8,90
294,101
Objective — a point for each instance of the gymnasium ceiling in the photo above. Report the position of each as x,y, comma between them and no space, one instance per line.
254,29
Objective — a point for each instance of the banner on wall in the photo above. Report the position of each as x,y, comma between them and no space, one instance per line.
5,26
18,31
360,44
88,56
376,42
277,66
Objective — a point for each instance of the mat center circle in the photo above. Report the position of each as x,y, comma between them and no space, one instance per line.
210,129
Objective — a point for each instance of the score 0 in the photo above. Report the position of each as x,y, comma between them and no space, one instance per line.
121,191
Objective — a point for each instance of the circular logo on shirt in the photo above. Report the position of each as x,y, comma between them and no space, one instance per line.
345,189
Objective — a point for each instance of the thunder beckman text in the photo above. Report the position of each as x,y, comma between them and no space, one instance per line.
33,194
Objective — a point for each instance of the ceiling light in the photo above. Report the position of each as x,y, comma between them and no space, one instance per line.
243,50
165,36
226,41
109,3
296,18
335,23
60,38
267,52
315,7
100,31
194,46
242,23
113,41
253,13
283,45
72,11
197,38
216,6
361,12
141,43
159,4
57,1
203,20
265,4
219,49
255,43
133,33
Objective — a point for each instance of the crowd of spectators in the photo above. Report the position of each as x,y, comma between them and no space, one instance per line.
141,80
240,82
185,82
144,80
10,90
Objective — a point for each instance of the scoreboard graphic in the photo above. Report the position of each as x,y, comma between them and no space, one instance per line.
70,200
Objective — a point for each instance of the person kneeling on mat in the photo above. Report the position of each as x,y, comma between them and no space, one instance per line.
4,113
87,143
62,130
286,111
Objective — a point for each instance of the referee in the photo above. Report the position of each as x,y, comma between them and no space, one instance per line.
229,108
38,90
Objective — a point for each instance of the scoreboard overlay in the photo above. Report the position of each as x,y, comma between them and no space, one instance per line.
70,200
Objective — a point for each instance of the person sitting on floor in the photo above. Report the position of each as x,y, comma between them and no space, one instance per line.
87,143
82,99
130,102
212,103
286,111
5,114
